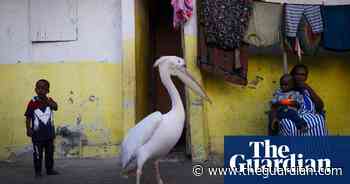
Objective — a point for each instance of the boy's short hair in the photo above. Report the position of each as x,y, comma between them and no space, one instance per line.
287,75
43,80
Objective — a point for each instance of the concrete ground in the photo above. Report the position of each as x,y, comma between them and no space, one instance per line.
100,171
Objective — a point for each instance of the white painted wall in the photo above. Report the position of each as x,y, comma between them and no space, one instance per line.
99,35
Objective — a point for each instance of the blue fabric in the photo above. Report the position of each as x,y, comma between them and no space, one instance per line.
336,27
308,105
316,125
285,112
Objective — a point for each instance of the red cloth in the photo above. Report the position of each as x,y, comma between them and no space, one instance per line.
183,10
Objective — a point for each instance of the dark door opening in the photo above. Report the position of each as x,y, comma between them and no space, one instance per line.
165,40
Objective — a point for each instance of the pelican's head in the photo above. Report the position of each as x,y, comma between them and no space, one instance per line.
176,66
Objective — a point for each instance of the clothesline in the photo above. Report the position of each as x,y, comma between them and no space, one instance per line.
315,2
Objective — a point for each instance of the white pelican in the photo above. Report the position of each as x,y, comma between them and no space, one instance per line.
155,135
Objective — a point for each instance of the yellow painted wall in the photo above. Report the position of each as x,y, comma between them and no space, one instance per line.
196,114
238,110
91,90
143,59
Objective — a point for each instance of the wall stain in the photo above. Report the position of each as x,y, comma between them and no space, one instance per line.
70,138
73,137
254,83
70,100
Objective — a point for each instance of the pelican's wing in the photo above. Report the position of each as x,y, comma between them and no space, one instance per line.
138,136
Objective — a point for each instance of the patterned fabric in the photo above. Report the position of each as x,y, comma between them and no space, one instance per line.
292,95
315,122
223,62
293,14
225,21
183,10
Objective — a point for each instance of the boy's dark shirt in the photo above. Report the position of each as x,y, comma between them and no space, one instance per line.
41,131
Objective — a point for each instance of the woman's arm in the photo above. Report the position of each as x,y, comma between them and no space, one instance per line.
274,112
315,98
273,124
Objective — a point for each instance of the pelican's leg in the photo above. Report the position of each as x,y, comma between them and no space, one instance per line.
141,159
138,175
156,166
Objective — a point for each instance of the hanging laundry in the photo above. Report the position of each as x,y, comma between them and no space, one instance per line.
294,13
222,62
337,27
224,21
264,25
183,10
308,42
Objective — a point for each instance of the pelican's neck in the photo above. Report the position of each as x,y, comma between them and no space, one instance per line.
176,103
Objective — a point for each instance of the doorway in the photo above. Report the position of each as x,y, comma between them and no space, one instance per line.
165,40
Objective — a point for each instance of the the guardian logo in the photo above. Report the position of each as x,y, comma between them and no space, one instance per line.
270,156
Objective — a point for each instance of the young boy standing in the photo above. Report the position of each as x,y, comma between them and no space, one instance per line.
40,127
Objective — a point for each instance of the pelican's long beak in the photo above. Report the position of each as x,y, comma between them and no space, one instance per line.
190,82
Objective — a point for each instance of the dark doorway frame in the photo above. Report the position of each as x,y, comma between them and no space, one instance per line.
165,40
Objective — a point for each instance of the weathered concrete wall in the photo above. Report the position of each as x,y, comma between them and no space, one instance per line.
85,77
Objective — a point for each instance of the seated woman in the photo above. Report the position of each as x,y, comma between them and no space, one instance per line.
311,111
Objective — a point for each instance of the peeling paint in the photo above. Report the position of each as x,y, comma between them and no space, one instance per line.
70,100
199,153
197,102
70,137
128,104
15,152
254,83
73,138
92,98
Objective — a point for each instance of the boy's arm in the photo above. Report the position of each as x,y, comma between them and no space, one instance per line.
52,104
275,99
274,105
28,127
29,114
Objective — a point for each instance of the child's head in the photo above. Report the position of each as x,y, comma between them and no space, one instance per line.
287,82
42,87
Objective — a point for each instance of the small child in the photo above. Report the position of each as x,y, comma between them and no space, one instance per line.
287,101
40,127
